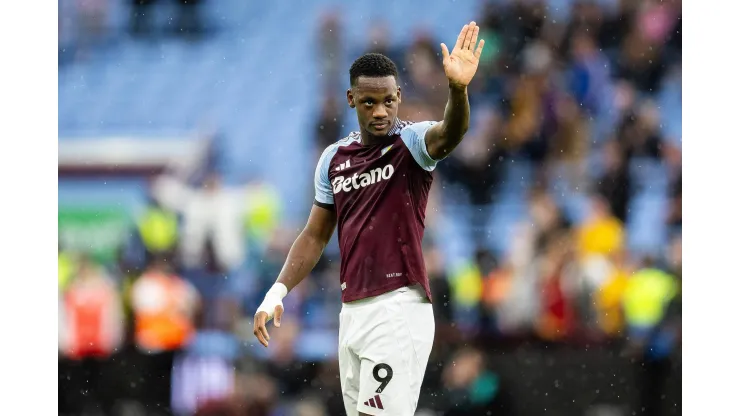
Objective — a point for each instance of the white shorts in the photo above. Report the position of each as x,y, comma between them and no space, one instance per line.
384,346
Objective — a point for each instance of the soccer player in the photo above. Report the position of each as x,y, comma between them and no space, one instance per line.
374,185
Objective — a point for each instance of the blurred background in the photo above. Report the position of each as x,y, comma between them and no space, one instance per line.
553,240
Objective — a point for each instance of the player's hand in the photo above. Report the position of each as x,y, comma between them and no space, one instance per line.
261,318
271,307
461,64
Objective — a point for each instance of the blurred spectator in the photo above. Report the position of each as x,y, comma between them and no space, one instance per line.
646,299
656,20
67,265
514,289
619,103
617,23
201,379
597,283
438,285
602,233
159,231
466,283
262,212
569,142
164,307
546,220
283,364
557,314
639,132
472,389
94,322
212,217
608,299
529,99
640,52
589,71
614,184
651,310
91,331
497,287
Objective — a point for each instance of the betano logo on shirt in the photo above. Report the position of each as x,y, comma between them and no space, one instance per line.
358,181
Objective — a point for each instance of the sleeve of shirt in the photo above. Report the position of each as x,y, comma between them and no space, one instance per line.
413,137
324,195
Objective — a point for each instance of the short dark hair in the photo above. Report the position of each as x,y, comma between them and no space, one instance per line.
372,65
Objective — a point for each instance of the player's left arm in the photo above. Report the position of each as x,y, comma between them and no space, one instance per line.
460,67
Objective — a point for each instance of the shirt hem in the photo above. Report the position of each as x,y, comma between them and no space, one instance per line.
382,291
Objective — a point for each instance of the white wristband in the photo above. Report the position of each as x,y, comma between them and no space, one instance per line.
273,298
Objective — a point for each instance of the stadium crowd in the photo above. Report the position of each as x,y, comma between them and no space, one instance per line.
578,99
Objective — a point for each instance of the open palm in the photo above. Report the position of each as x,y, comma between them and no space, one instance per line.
461,64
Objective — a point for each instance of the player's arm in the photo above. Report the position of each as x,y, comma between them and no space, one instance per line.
460,67
305,252
303,256
307,248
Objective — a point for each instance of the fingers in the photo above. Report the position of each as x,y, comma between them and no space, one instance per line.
278,315
479,50
259,328
445,53
461,37
263,336
470,31
474,38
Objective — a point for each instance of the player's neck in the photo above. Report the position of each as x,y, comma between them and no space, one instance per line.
369,139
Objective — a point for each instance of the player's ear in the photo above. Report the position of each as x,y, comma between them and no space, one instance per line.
398,93
350,98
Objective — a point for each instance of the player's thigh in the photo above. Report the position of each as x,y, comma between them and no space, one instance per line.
394,358
385,386
419,322
349,377
349,368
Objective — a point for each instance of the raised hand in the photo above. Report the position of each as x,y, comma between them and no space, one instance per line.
461,64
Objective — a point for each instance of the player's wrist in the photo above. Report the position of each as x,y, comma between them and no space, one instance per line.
278,290
457,87
273,298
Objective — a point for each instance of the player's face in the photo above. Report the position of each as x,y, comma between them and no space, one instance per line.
376,100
